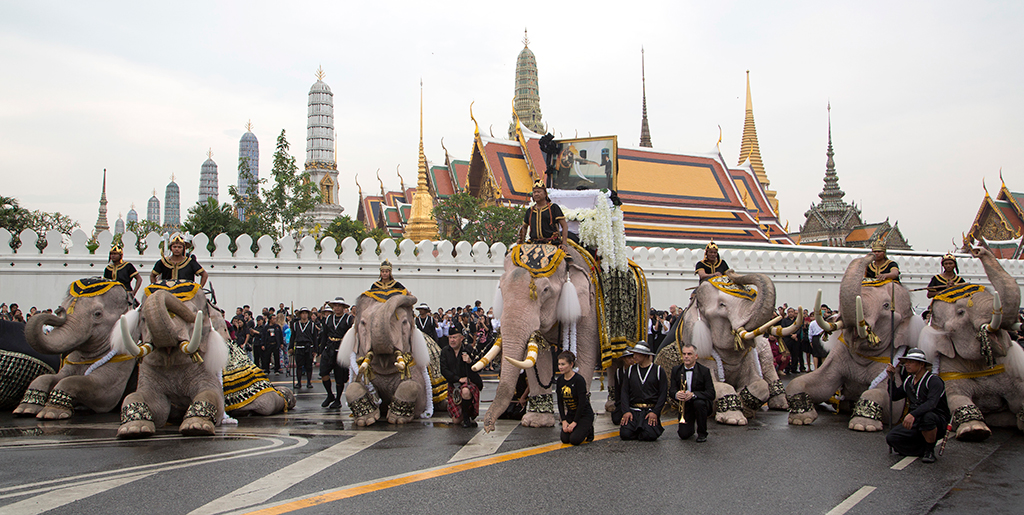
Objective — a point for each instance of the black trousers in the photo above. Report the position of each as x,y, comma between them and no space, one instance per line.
329,363
303,364
639,429
271,353
910,442
696,411
579,433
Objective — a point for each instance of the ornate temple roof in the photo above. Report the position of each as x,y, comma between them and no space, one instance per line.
1000,221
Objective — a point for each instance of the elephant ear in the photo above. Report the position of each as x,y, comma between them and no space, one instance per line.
932,342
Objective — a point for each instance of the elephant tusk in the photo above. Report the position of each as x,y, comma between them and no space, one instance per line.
997,314
828,327
129,342
400,362
750,335
790,329
838,324
531,358
197,335
488,358
862,325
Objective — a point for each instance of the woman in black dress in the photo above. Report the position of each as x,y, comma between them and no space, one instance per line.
573,403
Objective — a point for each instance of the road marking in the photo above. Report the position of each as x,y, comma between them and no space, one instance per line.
485,444
851,501
273,445
57,498
376,485
902,464
265,488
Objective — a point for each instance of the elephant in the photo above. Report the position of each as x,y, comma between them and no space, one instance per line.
93,373
390,358
531,305
726,323
875,320
182,361
969,341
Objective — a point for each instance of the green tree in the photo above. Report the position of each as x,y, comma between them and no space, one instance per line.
212,218
342,227
141,229
465,217
15,219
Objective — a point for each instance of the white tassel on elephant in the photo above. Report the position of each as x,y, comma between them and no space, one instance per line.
498,304
419,349
702,339
928,341
216,353
1014,361
345,350
568,308
429,411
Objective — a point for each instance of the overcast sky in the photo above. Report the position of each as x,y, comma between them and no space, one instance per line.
926,96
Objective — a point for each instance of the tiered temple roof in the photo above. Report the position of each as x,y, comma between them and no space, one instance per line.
1000,221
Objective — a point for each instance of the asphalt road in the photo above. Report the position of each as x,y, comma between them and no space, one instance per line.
313,460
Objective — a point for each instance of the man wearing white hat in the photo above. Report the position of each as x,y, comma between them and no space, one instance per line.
425,322
928,411
643,396
335,325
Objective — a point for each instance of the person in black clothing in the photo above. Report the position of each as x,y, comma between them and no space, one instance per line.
691,387
544,222
620,378
425,322
272,336
335,326
178,266
793,345
711,265
122,271
573,402
948,278
881,267
259,350
643,396
928,411
463,383
305,337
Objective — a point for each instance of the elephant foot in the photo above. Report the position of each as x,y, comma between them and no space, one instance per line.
196,426
803,419
136,429
732,418
779,402
609,406
535,419
369,418
54,413
27,410
865,424
401,412
973,431
289,397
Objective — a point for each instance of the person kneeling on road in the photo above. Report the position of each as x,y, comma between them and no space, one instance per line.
463,383
928,412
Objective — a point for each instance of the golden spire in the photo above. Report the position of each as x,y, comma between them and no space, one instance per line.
422,225
248,126
172,177
749,150
209,153
320,73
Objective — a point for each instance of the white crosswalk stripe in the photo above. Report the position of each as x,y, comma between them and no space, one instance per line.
56,498
483,443
265,488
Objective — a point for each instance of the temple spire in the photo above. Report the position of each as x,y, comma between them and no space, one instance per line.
749,150
831,195
422,225
101,220
645,129
526,99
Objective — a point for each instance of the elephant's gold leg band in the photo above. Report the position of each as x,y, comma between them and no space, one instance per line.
135,411
867,409
33,396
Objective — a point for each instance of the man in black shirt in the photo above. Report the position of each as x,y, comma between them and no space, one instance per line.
544,221
304,343
463,383
928,411
335,325
643,396
711,265
273,338
122,271
425,322
259,349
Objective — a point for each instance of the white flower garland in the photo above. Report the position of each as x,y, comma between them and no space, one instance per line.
602,227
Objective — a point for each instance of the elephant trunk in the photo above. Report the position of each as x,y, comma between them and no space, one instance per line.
63,339
158,313
763,309
1005,285
849,290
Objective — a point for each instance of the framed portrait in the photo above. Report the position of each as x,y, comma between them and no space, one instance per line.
587,164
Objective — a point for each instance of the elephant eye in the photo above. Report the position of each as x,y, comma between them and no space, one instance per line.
960,312
885,306
97,314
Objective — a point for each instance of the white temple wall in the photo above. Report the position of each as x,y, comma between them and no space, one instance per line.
305,278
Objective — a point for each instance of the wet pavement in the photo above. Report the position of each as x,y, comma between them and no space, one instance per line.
313,460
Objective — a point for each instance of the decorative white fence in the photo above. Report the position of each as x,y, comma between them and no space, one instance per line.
442,274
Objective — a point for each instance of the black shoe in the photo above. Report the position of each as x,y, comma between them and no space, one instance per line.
929,456
308,385
590,436
702,438
336,404
327,401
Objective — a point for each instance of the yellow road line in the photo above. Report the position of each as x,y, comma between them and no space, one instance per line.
414,477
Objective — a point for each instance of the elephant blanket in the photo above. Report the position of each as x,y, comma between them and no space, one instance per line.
244,382
19,364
